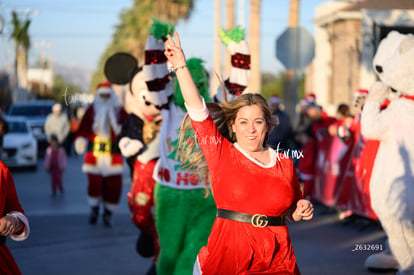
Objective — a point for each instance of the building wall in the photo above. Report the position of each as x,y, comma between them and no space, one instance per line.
346,47
345,44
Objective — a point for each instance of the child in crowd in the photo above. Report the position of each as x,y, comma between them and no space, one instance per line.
55,164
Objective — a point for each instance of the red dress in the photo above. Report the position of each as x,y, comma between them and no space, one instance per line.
243,185
8,202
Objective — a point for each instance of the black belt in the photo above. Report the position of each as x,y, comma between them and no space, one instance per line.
2,240
257,220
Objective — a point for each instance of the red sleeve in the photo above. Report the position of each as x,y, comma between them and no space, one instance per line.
85,127
122,116
8,191
210,139
296,184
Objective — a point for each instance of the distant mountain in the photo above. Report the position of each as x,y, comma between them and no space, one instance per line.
74,74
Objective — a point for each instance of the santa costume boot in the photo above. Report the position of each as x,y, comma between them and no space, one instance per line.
94,214
107,218
145,245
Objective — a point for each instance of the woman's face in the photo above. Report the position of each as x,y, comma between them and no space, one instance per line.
250,128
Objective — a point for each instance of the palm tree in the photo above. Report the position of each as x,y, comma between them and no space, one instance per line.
21,37
214,80
130,35
254,42
230,18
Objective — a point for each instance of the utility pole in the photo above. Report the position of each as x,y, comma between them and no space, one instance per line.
290,93
214,81
254,42
229,25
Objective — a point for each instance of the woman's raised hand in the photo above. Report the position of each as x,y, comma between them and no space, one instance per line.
173,51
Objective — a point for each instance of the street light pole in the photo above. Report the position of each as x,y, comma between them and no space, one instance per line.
290,93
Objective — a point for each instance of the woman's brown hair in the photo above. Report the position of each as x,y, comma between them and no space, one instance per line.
224,115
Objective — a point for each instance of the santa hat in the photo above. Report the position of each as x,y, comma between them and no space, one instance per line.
240,61
361,92
274,99
155,69
311,98
238,80
104,88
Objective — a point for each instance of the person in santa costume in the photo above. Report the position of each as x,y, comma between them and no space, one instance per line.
184,213
13,222
103,162
249,235
139,138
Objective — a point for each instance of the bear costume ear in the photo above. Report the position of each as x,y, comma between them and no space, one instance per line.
120,68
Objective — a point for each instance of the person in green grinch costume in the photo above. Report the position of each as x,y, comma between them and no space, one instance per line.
184,209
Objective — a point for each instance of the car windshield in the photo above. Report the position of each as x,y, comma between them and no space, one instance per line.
17,127
30,110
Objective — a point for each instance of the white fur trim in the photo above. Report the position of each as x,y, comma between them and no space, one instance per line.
239,76
103,167
129,146
198,114
155,71
111,206
22,236
241,47
273,156
93,201
80,145
159,98
154,43
197,269
152,151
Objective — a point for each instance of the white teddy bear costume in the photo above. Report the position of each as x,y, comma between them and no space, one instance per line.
392,182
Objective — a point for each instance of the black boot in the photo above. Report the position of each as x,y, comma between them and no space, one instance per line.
145,245
152,270
94,215
107,218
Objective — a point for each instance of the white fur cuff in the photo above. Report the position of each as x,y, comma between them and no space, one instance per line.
80,145
198,114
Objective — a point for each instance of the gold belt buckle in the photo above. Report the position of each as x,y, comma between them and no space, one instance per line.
102,146
259,220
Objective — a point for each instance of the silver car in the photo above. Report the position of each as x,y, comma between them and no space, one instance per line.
19,144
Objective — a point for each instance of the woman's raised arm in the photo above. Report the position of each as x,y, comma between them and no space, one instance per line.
176,57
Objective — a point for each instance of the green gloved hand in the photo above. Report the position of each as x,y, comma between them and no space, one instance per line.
159,29
234,35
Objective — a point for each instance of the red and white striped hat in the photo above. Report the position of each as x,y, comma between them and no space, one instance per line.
240,61
156,73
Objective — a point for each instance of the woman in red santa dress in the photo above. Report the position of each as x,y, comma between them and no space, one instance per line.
103,161
249,234
13,222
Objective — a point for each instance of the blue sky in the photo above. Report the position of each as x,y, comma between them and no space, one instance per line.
77,31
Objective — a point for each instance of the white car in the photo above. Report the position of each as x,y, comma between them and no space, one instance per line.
19,144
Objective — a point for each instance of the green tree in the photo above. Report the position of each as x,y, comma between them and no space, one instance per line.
131,33
20,35
62,88
274,84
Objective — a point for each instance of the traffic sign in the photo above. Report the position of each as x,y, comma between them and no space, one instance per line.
295,48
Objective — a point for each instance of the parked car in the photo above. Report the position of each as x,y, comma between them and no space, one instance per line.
35,112
19,144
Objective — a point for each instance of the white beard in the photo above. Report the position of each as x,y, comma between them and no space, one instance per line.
105,117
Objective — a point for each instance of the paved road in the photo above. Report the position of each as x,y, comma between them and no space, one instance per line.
62,242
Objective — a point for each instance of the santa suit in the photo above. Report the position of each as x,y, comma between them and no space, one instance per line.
102,161
10,205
